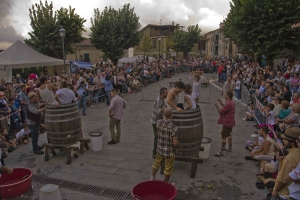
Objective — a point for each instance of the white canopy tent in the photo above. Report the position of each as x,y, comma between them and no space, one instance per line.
19,55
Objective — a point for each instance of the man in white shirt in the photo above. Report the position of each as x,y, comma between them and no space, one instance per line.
98,82
65,95
279,81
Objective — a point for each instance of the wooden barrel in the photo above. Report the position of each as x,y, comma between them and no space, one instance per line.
190,132
63,124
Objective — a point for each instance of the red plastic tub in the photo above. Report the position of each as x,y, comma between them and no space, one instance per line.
15,184
153,190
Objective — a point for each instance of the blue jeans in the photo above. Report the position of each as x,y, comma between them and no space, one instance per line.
82,103
237,93
34,129
224,77
220,77
23,115
107,97
214,69
97,94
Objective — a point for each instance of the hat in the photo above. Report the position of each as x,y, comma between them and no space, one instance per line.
2,94
291,134
31,94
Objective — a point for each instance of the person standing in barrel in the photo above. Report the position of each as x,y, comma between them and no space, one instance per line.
116,108
45,92
166,145
226,118
172,98
159,107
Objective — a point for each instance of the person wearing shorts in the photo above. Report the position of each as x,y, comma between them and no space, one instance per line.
226,118
166,145
23,135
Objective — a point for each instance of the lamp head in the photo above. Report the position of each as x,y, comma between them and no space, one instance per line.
62,32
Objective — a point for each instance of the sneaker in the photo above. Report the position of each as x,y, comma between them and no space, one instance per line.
244,118
38,152
92,106
229,149
112,142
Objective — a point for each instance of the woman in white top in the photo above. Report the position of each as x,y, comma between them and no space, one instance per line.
197,80
46,92
189,102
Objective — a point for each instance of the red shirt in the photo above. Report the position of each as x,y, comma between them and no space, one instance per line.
214,63
32,76
220,69
227,114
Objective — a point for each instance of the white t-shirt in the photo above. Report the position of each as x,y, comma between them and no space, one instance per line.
238,84
294,189
66,96
270,118
22,133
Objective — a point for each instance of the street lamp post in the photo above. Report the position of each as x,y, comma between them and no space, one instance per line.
62,33
159,38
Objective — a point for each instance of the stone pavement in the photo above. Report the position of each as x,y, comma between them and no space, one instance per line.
127,163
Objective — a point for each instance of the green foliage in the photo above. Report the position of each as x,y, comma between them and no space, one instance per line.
184,41
45,23
169,44
264,27
114,31
146,44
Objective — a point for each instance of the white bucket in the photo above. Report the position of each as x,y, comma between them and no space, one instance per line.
206,143
96,141
49,192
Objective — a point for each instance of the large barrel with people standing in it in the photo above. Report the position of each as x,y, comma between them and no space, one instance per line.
63,124
190,132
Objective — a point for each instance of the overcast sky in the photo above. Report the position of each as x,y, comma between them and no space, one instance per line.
15,21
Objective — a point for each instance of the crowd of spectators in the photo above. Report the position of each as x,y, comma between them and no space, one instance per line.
275,147
88,87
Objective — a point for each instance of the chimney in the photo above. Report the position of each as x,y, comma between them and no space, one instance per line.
172,23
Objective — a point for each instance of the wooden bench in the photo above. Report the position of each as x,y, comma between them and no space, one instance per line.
84,143
193,160
205,82
70,150
174,82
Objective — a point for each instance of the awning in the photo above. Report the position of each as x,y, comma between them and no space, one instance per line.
77,65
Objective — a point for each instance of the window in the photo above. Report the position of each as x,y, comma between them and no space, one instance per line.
86,57
154,44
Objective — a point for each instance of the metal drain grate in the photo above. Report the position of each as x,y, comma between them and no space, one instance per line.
92,189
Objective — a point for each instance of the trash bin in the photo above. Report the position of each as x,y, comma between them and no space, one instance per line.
96,141
206,143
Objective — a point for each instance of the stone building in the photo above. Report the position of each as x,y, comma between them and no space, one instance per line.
159,35
217,45
85,51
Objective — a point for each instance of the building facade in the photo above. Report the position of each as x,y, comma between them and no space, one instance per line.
159,35
217,45
87,52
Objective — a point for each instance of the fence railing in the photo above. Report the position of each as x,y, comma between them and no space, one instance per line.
245,94
258,109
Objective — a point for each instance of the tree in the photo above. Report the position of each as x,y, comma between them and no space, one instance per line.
184,41
45,24
146,44
114,31
264,27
